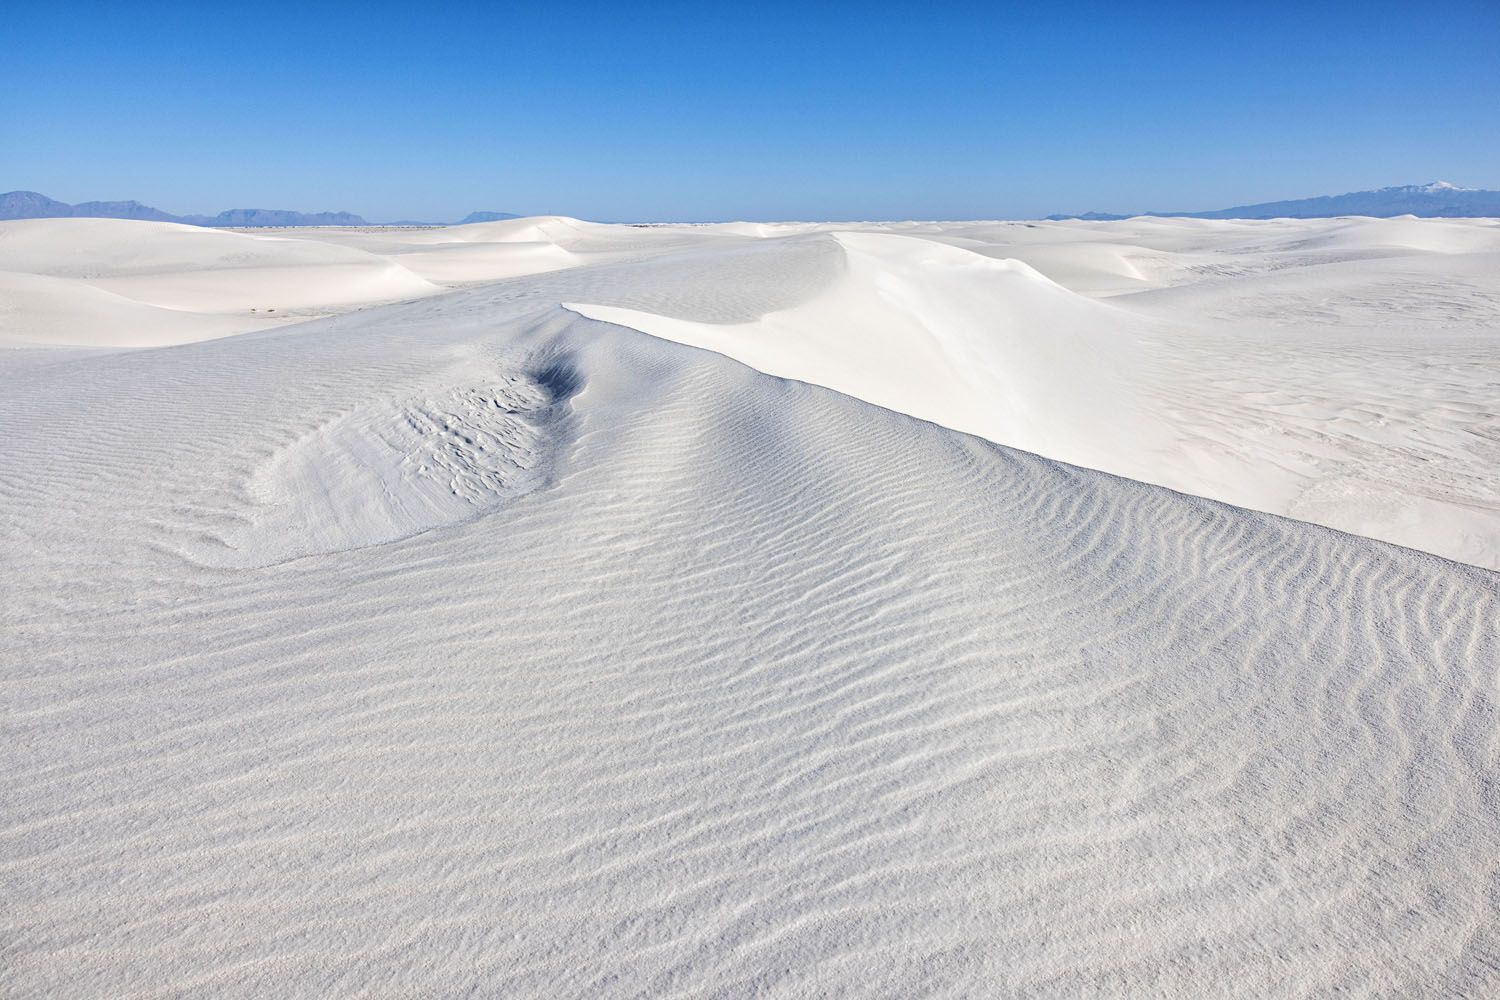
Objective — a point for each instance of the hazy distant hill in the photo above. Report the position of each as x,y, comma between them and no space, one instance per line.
120,210
1089,217
31,205
486,217
274,217
1431,201
471,217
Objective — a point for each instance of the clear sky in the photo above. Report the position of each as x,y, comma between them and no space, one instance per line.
702,111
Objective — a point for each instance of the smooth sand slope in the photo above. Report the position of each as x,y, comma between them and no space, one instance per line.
113,282
469,646
1342,372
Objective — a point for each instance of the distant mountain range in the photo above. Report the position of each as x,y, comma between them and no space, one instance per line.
1429,201
1437,200
31,205
486,217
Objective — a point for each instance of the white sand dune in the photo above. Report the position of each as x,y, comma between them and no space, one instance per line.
216,282
40,310
469,646
989,347
222,282
1356,391
455,255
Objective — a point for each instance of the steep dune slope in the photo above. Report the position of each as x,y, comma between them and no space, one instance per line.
990,347
1353,389
760,689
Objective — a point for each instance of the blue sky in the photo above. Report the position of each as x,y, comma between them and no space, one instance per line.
760,111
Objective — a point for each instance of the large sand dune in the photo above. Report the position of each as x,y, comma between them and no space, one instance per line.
473,646
1356,389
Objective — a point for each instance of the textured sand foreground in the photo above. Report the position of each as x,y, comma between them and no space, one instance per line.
472,646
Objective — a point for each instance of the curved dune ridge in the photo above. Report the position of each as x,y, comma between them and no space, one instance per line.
470,646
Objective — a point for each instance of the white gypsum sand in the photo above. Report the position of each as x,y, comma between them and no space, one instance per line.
469,645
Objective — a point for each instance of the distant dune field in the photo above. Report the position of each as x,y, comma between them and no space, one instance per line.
540,607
